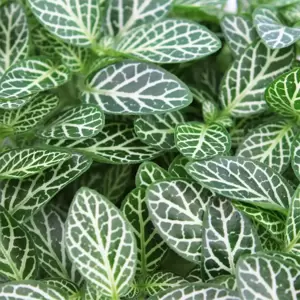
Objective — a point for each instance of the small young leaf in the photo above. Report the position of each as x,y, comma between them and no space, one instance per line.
244,180
169,41
177,167
91,292
271,30
100,243
296,155
22,163
195,274
291,13
130,87
226,281
176,207
199,141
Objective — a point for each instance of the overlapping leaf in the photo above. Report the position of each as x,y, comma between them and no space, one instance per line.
291,13
258,66
195,274
14,104
130,87
100,243
70,288
169,41
296,155
176,207
243,179
177,167
226,281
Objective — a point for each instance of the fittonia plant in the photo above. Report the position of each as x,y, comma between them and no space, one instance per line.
149,149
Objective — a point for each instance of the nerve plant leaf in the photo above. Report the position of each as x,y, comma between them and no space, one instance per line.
22,163
131,87
14,35
199,141
100,243
176,207
244,180
31,76
14,104
296,156
177,167
272,31
24,197
76,22
68,287
258,66
79,122
227,234
226,281
18,259
169,41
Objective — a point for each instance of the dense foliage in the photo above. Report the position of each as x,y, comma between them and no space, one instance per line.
149,149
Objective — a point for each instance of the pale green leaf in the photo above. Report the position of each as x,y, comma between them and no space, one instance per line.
131,87
296,155
291,13
277,3
91,292
67,286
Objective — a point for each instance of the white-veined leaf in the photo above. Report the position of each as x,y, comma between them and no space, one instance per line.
244,180
296,155
158,130
116,143
30,289
79,122
176,208
291,13
31,76
270,143
283,94
47,229
14,35
177,167
14,104
65,285
122,15
169,41
195,274
24,197
75,21
267,241
199,141
197,291
239,32
31,114
148,173
277,3
130,87
271,30
91,292
287,257
18,259
226,281
244,84
101,243
22,163
227,234
150,246
265,277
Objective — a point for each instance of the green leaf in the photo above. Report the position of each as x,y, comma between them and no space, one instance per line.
277,3
67,286
169,41
227,234
176,208
30,289
264,277
270,143
101,243
271,30
283,94
116,143
199,141
31,114
22,163
148,173
91,292
18,260
239,33
296,155
122,15
75,22
266,239
150,246
14,35
79,122
14,104
291,13
226,281
195,274
258,66
196,291
138,88
158,130
47,229
31,76
24,197
244,180
177,167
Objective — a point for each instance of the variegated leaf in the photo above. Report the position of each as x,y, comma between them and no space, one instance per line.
177,167
169,41
100,243
277,3
199,141
267,241
70,288
130,87
31,76
296,155
244,84
91,292
291,13
195,274
244,180
176,207
14,104
226,281
271,30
